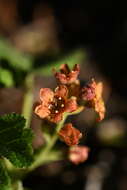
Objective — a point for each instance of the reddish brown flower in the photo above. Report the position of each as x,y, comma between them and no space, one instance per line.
54,104
65,76
74,89
70,135
78,154
92,94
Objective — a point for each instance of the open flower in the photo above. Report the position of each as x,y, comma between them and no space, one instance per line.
78,154
65,76
70,135
54,104
92,94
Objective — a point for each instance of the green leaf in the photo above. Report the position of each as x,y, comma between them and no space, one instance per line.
75,58
5,181
14,57
15,140
6,77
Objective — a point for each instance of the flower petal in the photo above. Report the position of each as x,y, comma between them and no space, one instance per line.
61,78
71,105
46,95
64,69
76,68
99,90
42,111
100,109
72,76
74,89
98,102
61,91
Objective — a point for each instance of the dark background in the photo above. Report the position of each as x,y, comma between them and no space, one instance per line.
100,26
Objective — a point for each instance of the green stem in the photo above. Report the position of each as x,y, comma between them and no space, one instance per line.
28,99
41,157
18,185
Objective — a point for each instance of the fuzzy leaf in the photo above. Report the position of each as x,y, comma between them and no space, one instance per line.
15,140
5,181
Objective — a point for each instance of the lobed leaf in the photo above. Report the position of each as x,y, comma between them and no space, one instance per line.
15,140
5,181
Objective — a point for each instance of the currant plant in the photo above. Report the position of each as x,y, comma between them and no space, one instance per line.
17,157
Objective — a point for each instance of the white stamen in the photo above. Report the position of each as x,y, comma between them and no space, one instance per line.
60,98
49,106
56,111
62,105
56,89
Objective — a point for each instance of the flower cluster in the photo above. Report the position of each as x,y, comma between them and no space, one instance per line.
68,97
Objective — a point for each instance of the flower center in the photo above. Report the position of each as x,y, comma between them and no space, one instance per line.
57,105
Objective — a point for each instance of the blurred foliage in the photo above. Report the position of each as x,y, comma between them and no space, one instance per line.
15,140
20,63
75,57
15,58
6,77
